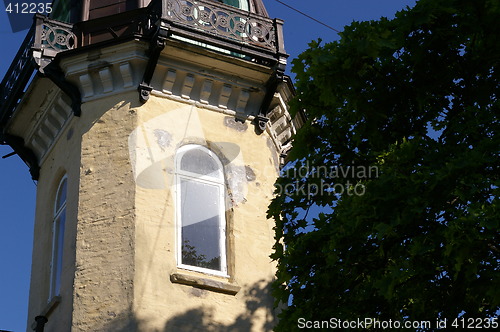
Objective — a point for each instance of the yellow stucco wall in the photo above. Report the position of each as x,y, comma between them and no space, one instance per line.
105,239
120,238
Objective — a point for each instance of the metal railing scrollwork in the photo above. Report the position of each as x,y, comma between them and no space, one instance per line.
57,38
17,76
51,37
223,21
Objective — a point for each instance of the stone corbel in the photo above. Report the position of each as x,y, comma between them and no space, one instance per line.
261,121
158,43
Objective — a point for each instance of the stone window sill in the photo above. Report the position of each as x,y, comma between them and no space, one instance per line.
205,283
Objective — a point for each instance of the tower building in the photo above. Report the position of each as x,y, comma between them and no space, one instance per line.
155,131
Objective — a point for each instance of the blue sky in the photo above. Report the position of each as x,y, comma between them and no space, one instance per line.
17,190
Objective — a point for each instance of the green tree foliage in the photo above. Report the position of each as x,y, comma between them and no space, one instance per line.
417,98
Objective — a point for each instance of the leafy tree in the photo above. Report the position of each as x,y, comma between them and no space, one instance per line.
415,99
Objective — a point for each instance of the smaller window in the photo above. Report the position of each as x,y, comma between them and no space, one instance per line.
58,226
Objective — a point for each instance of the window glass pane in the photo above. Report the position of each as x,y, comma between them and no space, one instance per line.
200,234
59,226
200,162
61,195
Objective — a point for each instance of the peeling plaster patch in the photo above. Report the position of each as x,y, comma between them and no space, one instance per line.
231,122
250,174
163,138
152,148
198,292
236,179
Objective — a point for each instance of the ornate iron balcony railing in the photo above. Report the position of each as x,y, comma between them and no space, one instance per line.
223,21
16,78
51,37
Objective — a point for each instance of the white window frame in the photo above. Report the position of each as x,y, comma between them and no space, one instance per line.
186,175
57,247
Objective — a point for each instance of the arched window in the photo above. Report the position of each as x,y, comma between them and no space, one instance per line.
58,226
200,210
241,4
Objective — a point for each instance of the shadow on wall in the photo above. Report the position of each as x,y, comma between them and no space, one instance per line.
258,305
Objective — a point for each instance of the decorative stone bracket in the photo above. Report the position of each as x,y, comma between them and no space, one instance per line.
158,43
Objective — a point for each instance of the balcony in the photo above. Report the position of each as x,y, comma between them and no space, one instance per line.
224,26
210,24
